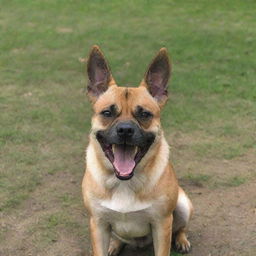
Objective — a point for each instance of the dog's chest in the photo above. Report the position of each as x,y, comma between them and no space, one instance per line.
128,216
130,225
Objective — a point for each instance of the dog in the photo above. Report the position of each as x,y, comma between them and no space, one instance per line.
129,188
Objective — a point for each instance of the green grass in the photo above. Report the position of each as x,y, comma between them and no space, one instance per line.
45,116
197,178
176,254
50,228
236,181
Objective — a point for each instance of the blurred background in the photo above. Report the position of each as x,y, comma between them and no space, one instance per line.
210,120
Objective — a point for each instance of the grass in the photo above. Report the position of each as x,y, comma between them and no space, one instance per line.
176,254
45,116
197,179
236,181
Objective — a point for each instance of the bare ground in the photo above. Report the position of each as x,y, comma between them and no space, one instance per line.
224,222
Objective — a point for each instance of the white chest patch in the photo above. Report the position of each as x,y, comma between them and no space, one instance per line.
124,201
128,216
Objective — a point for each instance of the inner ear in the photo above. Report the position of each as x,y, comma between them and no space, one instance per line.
99,73
157,76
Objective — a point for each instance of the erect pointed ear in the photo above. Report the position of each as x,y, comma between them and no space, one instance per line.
99,74
157,76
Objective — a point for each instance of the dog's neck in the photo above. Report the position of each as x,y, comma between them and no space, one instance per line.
146,174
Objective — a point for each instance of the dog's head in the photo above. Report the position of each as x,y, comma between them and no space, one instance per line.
126,120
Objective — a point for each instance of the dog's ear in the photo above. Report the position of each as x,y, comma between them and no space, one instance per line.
99,74
157,76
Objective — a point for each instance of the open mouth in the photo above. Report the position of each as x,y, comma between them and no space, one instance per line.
123,157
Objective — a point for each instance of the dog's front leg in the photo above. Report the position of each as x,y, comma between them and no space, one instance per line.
162,235
100,237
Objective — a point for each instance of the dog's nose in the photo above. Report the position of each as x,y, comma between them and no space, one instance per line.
125,129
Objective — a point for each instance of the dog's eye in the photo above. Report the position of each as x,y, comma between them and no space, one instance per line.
106,113
145,114
142,115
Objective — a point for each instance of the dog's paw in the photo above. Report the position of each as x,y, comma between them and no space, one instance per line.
182,245
113,251
115,247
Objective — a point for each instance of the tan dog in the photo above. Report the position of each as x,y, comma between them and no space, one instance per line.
129,188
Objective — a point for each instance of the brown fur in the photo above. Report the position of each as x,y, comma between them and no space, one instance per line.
99,184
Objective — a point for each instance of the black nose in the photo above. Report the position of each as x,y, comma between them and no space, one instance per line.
125,129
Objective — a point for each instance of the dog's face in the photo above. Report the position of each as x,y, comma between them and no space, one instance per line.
126,120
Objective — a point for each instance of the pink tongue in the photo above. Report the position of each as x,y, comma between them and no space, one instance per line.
124,159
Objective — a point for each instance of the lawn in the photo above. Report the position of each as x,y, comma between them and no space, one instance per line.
210,120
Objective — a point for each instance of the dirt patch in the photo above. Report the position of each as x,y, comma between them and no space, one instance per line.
53,222
223,224
64,30
30,230
224,221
